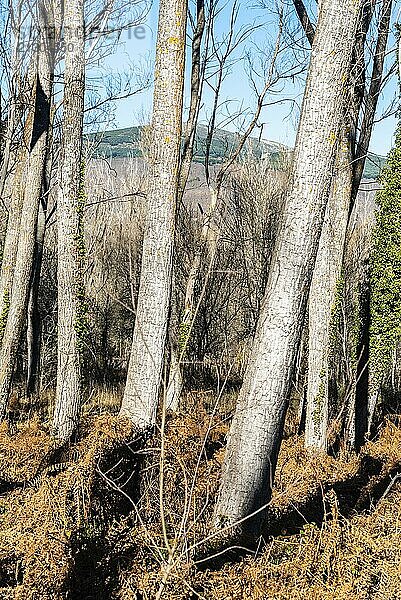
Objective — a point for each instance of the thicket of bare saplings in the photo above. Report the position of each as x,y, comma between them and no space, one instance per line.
200,390
229,289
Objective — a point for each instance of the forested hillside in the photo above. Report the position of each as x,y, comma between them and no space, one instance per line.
126,143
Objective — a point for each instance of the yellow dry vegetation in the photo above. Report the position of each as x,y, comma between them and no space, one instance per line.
333,530
50,502
322,554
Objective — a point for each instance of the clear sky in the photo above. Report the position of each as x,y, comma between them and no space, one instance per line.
279,120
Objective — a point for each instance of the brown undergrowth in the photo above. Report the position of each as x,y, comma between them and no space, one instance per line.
48,504
336,524
113,518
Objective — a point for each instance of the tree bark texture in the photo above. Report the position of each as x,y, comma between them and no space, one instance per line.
329,260
256,431
322,298
70,206
15,210
145,369
372,95
34,325
357,320
178,340
32,193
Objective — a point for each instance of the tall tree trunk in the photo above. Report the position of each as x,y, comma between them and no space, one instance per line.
331,248
16,93
34,322
175,377
322,298
70,206
373,94
361,398
148,347
34,326
357,321
256,431
32,193
10,247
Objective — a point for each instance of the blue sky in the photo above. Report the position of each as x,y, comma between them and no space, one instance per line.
279,120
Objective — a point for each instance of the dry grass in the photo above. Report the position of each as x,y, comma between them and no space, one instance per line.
336,521
39,520
330,557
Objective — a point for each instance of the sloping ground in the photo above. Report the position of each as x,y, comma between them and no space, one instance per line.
338,558
317,551
48,505
98,521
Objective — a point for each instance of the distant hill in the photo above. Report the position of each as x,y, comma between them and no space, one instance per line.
373,166
125,143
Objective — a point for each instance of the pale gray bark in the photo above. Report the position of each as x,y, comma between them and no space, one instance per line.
256,431
357,311
16,92
6,154
362,396
148,347
34,317
197,80
322,299
373,399
331,248
69,226
372,94
10,247
33,329
32,193
175,377
15,208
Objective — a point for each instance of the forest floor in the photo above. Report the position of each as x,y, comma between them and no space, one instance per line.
118,517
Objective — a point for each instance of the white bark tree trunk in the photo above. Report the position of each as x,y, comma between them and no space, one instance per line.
357,311
33,327
175,379
32,193
10,247
148,347
10,250
331,249
256,431
70,207
322,299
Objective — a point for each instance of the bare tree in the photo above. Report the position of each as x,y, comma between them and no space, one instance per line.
70,206
21,91
175,379
351,158
359,399
222,57
256,431
148,347
32,193
322,298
